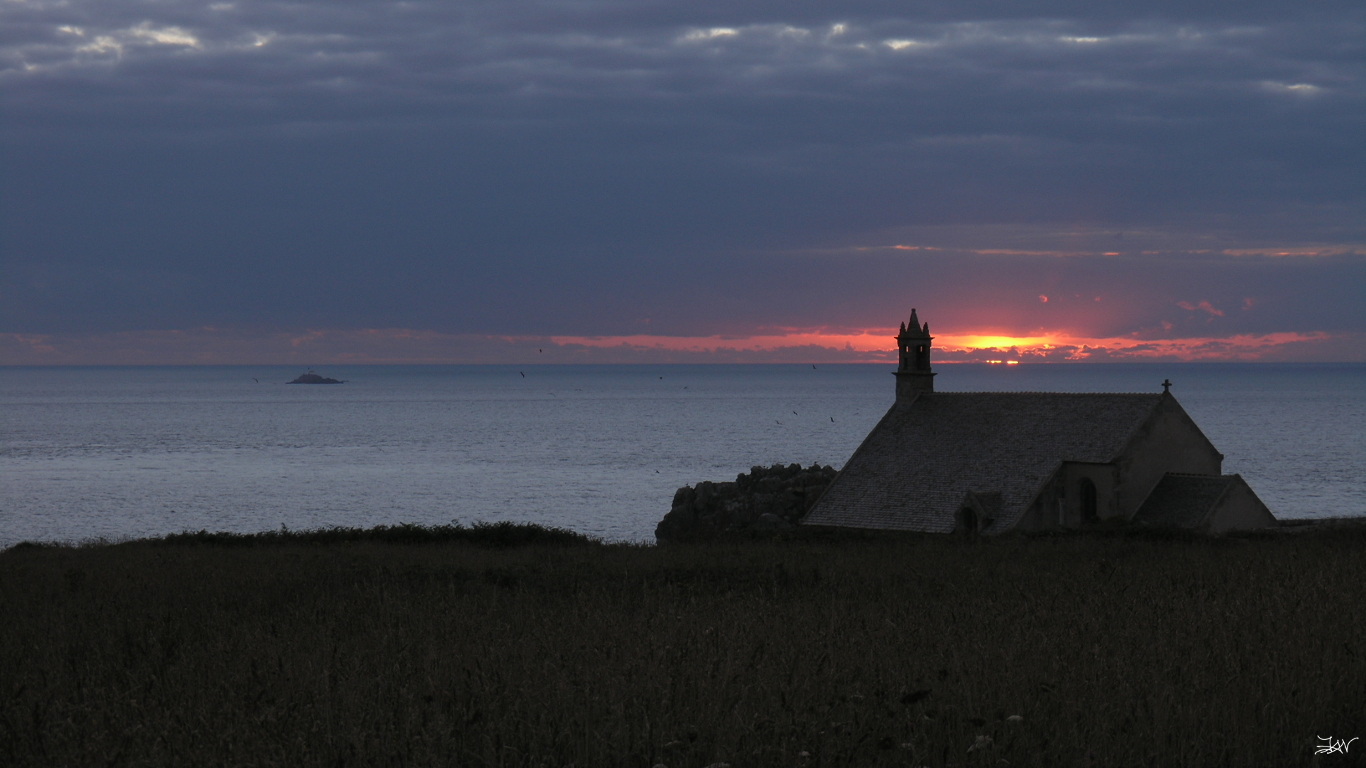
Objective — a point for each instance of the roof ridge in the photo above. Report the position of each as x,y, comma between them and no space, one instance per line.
1031,392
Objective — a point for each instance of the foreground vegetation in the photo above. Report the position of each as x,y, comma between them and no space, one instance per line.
517,646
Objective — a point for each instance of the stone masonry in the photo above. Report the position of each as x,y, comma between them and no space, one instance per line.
767,499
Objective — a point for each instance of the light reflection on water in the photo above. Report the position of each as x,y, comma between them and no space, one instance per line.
119,452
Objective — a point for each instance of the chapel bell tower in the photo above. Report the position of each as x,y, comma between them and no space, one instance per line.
913,374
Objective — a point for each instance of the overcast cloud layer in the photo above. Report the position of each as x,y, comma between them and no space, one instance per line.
547,170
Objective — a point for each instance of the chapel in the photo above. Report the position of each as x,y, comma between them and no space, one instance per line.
990,462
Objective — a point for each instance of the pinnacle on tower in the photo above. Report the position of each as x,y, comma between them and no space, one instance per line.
914,328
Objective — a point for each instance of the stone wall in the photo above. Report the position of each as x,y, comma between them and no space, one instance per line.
767,499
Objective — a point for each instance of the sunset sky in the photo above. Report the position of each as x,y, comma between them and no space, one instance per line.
656,181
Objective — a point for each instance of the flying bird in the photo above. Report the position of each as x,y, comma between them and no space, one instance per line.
253,378
523,374
832,418
794,413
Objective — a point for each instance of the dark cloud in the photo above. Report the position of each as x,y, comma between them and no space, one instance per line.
576,168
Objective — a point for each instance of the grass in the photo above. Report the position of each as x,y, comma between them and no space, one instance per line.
519,646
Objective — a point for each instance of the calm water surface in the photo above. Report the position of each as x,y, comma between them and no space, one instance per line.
124,452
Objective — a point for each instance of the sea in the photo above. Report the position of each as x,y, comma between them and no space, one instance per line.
113,453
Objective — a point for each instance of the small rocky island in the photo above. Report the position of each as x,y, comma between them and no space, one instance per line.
313,378
767,499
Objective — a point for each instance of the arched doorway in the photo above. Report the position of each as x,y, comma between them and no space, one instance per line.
1087,494
966,520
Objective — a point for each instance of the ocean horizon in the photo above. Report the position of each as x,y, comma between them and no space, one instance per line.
117,452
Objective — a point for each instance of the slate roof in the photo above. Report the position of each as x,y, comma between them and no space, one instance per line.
917,465
1183,501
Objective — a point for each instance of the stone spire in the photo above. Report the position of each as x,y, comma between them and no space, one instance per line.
913,374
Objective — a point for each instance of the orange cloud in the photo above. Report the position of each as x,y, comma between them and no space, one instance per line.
1064,347
1204,306
861,342
1339,250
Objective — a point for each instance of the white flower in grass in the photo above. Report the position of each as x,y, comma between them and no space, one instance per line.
983,742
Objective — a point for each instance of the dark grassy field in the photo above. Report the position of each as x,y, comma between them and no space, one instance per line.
516,647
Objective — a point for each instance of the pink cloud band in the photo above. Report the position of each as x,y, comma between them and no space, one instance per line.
212,346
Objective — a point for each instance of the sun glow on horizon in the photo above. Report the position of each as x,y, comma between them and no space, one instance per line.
872,345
